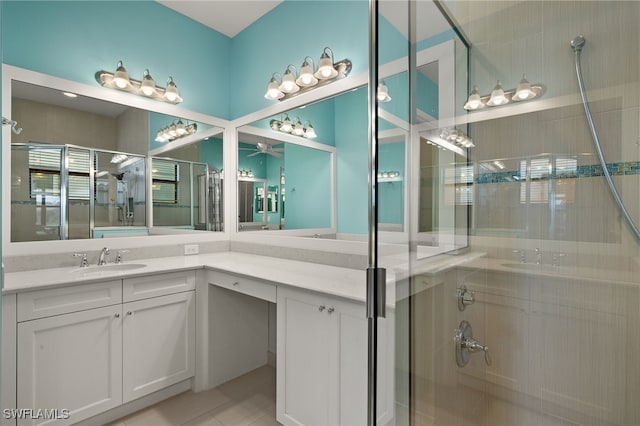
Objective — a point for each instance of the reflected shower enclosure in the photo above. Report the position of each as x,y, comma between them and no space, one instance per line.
62,192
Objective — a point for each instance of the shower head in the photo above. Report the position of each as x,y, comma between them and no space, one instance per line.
578,43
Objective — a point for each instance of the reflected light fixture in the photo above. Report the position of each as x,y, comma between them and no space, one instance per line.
525,91
305,130
474,102
175,130
118,158
383,92
146,87
291,84
497,96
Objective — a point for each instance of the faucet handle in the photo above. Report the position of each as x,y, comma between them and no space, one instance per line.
83,263
119,255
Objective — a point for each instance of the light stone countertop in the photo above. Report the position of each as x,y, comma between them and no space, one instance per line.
342,282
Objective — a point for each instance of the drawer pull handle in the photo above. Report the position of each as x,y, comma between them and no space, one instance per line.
117,315
129,313
321,308
330,310
235,283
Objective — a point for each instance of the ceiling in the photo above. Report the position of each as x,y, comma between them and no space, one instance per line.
230,17
224,16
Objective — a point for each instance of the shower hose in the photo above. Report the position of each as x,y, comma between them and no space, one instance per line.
577,44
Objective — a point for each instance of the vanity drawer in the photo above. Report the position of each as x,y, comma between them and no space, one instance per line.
57,301
158,285
260,289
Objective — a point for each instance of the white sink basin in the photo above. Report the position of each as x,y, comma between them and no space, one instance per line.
110,268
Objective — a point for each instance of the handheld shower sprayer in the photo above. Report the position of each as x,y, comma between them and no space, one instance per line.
577,44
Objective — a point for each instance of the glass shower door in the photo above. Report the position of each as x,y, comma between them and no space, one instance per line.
521,301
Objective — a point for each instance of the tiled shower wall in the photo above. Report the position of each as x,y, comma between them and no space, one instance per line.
514,38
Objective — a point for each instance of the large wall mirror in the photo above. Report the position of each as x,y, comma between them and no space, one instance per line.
81,168
284,183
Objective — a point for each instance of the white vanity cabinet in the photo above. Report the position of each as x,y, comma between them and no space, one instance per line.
88,348
158,343
322,361
72,362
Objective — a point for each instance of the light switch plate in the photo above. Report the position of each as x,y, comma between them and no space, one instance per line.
191,249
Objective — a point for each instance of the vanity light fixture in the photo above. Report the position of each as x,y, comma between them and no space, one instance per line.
305,130
457,137
175,130
308,78
118,158
383,92
525,91
146,87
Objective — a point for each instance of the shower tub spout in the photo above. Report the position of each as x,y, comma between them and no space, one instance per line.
577,44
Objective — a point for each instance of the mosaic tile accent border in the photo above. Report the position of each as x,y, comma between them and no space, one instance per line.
593,170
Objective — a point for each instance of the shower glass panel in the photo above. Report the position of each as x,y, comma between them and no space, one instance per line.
119,190
534,320
186,195
79,193
36,191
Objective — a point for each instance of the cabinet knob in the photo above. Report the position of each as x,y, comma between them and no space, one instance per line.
117,315
321,308
129,313
330,310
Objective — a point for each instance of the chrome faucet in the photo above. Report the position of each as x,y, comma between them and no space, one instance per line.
101,258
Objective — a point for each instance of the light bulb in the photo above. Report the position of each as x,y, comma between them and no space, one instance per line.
474,102
309,132
288,83
180,129
497,96
148,86
306,78
286,125
298,130
171,92
121,77
524,91
383,93
325,67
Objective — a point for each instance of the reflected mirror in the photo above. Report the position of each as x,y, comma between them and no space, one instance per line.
78,168
187,187
277,170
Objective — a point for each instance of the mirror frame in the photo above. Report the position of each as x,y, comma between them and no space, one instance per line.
11,73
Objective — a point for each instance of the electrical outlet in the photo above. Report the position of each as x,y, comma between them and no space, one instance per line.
191,249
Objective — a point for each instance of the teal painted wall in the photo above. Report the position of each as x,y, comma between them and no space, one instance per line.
308,187
352,162
211,152
427,95
288,33
74,39
257,163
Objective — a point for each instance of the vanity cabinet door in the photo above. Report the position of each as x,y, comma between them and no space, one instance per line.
307,370
322,361
71,362
159,343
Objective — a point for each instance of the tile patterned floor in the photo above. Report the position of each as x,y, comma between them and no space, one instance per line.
249,400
